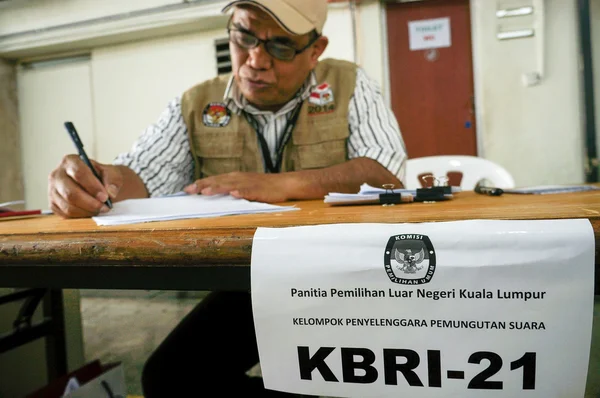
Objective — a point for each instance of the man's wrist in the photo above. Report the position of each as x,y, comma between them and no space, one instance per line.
132,185
290,184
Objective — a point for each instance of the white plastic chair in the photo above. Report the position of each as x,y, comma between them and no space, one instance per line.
473,169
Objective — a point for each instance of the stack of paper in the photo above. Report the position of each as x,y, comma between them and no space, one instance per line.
366,189
180,207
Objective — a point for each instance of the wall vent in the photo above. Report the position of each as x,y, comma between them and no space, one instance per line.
223,56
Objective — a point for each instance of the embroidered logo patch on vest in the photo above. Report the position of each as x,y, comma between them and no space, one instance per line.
216,114
321,100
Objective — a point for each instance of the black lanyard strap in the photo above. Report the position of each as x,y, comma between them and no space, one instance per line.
289,128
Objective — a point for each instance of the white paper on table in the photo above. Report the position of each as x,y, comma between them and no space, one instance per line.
501,278
181,207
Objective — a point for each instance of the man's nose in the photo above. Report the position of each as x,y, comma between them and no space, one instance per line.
259,58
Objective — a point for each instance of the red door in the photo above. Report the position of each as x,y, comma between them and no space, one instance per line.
432,88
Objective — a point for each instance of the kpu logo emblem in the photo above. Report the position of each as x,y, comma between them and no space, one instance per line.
409,259
216,115
321,95
321,100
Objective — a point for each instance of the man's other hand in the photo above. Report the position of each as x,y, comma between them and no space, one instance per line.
74,191
259,187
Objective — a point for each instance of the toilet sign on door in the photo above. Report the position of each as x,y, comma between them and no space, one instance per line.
429,33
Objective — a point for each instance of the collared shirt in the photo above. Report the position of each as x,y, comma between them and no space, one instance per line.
270,124
163,159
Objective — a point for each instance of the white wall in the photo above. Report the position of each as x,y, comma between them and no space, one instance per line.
49,96
369,40
338,29
133,83
28,15
25,15
535,132
36,29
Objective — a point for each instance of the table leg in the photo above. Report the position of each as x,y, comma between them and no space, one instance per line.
56,344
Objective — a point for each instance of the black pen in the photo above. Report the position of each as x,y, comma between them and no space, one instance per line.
83,156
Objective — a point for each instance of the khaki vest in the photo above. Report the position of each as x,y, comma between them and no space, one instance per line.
318,140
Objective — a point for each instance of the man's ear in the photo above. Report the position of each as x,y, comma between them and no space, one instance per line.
317,49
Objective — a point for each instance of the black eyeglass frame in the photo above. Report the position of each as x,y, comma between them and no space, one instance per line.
265,43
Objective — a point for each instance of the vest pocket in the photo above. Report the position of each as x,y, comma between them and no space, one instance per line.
220,153
322,154
322,145
214,166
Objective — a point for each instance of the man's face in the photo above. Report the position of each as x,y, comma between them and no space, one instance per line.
266,82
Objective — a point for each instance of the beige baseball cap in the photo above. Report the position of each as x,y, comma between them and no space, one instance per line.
297,17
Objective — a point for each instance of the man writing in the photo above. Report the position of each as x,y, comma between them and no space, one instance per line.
284,126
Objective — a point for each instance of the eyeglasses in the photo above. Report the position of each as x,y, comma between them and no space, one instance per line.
275,48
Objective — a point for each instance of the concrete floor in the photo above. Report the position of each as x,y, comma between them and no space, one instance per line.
126,326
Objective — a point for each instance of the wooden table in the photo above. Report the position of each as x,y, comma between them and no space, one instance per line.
214,254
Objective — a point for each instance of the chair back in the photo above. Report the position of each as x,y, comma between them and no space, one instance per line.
473,169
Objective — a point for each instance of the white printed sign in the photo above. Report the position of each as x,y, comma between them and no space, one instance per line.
429,33
425,310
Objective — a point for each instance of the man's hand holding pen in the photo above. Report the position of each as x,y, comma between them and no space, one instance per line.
75,192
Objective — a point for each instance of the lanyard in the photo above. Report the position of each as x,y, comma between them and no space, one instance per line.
289,127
